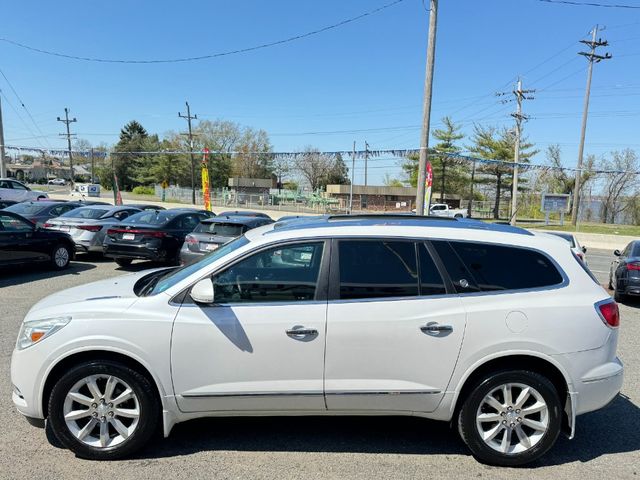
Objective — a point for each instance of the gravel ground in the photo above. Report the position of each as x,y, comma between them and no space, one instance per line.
607,442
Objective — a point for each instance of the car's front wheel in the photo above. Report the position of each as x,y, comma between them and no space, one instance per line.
511,418
61,256
103,410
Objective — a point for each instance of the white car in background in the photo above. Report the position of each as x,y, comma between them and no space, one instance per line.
444,210
11,189
501,333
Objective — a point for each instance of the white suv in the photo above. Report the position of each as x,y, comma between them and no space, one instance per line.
500,332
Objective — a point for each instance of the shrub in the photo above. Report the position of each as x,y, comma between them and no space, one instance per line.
141,190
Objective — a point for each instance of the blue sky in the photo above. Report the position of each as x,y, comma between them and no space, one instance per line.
367,75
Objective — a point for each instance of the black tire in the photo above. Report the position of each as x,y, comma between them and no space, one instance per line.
610,285
457,215
61,256
467,418
149,409
123,262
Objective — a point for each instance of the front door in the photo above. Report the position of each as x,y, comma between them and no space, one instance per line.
260,346
393,331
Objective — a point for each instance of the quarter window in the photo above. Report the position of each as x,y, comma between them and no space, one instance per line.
11,224
499,267
283,274
377,269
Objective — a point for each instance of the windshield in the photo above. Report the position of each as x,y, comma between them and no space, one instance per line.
221,229
26,208
151,217
85,212
170,279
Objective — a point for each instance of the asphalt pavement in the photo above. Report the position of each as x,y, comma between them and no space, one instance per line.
607,444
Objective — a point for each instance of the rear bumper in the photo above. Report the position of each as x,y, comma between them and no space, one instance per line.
600,386
132,251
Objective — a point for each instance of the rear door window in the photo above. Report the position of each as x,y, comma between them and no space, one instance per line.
377,269
501,267
461,278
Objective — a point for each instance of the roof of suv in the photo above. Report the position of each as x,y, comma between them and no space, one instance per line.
394,220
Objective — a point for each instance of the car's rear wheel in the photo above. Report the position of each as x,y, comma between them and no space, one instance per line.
511,418
123,262
61,256
103,410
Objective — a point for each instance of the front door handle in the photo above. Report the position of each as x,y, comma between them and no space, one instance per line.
299,332
435,329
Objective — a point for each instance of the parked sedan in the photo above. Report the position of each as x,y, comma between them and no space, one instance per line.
213,232
152,235
11,189
40,212
88,225
244,213
21,241
624,274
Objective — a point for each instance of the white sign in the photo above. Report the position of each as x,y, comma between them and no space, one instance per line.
555,202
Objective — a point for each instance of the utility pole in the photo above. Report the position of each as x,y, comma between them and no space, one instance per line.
92,165
353,170
426,108
519,116
473,177
3,168
366,162
188,117
67,122
592,57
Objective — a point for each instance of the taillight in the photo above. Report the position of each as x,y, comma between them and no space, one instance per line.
191,240
47,225
90,228
633,266
609,313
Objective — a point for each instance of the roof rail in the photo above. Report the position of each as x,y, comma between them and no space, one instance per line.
390,216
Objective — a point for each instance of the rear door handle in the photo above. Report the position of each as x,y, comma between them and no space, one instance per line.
297,332
435,329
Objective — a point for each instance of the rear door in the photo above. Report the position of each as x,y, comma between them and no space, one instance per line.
393,330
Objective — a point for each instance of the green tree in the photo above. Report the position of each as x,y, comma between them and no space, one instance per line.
498,145
389,181
338,173
128,163
452,171
449,172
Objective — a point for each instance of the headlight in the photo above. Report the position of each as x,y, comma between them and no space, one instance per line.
34,331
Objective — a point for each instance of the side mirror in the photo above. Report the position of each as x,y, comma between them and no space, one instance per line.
202,292
584,249
617,253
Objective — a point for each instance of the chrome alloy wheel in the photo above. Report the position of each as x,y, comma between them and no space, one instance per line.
512,418
101,411
61,257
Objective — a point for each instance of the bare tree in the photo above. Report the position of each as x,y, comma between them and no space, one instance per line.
619,186
313,166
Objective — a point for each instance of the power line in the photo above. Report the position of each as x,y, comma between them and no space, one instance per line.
591,4
24,106
15,110
212,55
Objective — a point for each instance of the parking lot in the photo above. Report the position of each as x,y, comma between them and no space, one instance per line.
607,442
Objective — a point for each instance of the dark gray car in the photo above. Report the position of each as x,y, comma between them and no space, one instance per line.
624,275
41,211
213,232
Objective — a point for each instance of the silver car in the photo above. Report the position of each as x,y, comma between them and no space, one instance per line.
88,225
